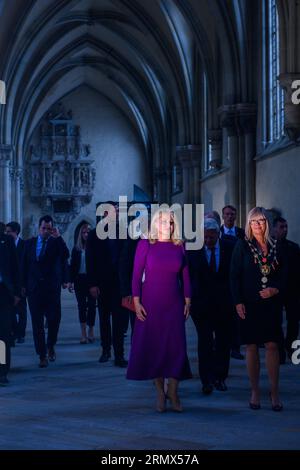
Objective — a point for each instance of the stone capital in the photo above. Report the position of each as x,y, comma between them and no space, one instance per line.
227,115
189,155
16,173
239,118
246,115
5,154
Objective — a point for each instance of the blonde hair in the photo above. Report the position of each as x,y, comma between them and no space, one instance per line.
175,233
79,244
263,213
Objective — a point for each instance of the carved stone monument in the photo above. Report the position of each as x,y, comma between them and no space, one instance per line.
60,173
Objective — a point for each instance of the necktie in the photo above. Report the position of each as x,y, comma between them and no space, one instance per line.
212,263
43,249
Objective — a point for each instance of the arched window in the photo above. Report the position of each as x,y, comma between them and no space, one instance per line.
273,94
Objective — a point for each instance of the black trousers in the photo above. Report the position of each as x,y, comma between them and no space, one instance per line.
20,319
129,318
113,319
6,312
214,330
86,303
43,303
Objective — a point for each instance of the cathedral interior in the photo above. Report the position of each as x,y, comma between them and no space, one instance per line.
188,101
168,101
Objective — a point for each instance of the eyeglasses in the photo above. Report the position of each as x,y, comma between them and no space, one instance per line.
257,221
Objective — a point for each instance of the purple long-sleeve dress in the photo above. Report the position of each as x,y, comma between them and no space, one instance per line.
161,280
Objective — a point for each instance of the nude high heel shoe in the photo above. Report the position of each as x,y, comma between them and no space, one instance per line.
161,397
173,396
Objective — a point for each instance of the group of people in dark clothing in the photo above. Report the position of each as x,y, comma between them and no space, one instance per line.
235,288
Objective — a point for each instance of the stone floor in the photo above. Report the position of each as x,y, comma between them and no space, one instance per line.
78,403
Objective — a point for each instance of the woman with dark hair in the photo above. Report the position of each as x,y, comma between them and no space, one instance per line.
86,303
258,278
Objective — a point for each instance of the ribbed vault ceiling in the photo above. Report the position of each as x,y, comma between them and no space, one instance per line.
146,56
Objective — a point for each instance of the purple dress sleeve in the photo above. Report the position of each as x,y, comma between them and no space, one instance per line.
139,267
187,288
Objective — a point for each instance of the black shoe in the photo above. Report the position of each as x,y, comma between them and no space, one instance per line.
254,406
207,389
237,355
51,354
3,381
121,362
43,363
221,386
21,340
105,356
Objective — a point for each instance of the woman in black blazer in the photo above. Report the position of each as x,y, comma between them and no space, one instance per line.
86,303
258,278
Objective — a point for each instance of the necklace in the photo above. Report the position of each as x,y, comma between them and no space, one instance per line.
265,262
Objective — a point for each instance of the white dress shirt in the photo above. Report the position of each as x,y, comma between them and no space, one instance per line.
229,231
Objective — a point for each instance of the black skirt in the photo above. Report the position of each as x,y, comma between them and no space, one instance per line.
262,323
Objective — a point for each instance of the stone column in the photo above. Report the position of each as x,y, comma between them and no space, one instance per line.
247,124
215,144
5,183
189,157
228,122
16,175
44,176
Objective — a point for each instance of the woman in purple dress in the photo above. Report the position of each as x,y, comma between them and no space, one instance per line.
162,296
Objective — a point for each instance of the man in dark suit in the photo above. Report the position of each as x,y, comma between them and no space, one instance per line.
10,292
126,263
231,233
102,263
229,229
20,312
212,308
44,271
292,295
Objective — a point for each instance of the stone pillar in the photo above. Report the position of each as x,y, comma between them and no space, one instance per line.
5,183
189,157
239,120
291,109
228,122
44,176
247,124
215,145
17,188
